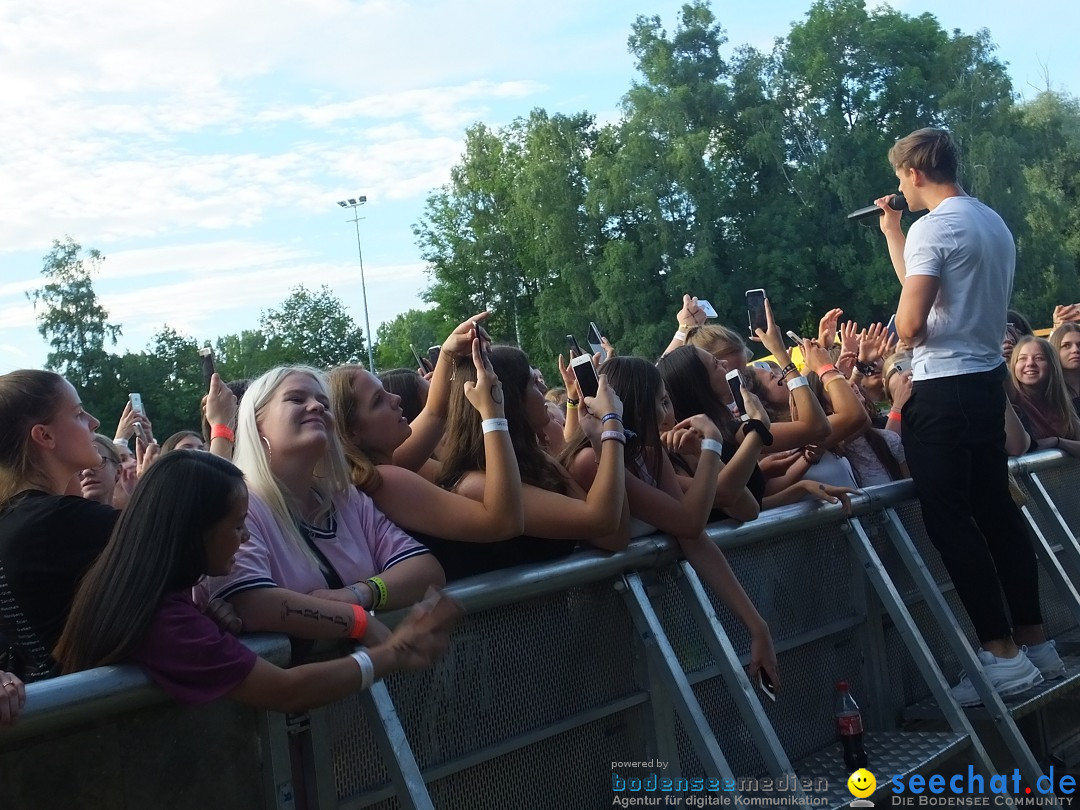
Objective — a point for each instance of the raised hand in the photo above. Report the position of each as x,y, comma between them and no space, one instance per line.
486,394
691,314
827,327
459,343
772,338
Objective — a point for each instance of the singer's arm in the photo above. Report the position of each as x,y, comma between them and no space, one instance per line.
894,236
916,300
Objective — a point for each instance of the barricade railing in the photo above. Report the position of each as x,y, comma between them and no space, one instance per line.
560,672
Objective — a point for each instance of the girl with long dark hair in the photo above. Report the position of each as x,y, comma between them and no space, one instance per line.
187,518
1040,394
658,503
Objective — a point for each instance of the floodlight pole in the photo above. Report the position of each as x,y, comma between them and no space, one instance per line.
354,204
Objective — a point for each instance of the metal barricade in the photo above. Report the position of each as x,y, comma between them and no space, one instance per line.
565,677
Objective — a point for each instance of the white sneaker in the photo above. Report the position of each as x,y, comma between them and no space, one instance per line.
1008,676
1046,658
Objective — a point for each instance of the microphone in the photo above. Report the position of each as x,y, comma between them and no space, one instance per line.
897,203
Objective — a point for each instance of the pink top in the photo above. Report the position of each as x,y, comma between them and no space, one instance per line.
360,542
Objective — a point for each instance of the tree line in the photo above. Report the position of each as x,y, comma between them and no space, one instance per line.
730,168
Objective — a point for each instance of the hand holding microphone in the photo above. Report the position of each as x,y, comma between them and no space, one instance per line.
897,203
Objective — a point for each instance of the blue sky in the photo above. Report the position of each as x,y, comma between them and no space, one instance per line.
202,146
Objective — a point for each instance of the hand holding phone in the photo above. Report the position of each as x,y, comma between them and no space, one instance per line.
585,372
575,350
755,310
207,355
735,383
765,684
595,339
137,407
707,308
421,362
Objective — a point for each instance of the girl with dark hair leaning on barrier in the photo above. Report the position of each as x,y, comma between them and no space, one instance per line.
187,517
558,511
658,503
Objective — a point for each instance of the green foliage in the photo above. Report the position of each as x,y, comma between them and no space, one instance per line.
72,320
419,328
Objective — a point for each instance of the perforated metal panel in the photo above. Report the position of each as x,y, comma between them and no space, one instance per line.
571,770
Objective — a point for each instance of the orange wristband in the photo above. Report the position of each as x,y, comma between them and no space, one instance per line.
359,625
222,432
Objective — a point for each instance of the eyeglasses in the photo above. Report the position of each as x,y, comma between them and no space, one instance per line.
104,460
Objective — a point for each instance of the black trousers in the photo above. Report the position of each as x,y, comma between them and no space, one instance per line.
954,440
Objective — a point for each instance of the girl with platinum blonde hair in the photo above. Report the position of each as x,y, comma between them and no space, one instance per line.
320,554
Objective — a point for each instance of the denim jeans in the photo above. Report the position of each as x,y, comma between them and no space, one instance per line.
954,440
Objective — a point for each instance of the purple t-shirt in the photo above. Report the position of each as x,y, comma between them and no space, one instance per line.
189,656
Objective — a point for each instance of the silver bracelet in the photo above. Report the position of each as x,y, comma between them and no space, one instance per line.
367,668
355,591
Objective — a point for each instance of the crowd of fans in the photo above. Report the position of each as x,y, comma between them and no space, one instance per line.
311,500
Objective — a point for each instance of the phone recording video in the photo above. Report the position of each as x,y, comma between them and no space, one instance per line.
585,373
755,310
575,350
207,358
421,362
433,355
735,384
595,339
137,406
890,330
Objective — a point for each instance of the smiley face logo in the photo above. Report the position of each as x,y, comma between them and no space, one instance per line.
862,783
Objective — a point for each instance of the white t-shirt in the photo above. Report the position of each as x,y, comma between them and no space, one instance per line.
969,248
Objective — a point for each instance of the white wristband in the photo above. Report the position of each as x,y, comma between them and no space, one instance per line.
680,336
491,425
797,382
712,446
367,668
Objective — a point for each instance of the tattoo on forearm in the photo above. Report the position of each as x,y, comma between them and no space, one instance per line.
312,614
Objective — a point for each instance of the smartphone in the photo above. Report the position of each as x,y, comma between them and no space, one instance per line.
890,330
755,309
421,362
585,373
707,308
433,355
765,684
207,355
137,406
594,338
575,350
481,332
735,383
795,338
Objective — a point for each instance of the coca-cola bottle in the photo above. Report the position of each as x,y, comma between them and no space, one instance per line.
849,728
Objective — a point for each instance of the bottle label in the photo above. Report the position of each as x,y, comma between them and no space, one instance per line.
849,724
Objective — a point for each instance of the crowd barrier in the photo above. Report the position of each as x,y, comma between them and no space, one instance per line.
573,683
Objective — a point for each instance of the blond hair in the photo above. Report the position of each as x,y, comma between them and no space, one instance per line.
932,151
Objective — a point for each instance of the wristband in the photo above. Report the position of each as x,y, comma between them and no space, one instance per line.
866,369
825,369
379,592
571,403
839,377
359,624
613,436
492,425
790,367
222,432
355,591
758,427
680,336
367,668
894,414
712,446
608,417
797,382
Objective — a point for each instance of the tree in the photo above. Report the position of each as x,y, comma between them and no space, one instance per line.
168,374
418,328
313,328
73,321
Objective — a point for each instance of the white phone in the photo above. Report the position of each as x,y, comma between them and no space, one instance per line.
585,373
735,383
707,308
137,406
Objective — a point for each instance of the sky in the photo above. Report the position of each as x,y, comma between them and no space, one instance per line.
203,146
